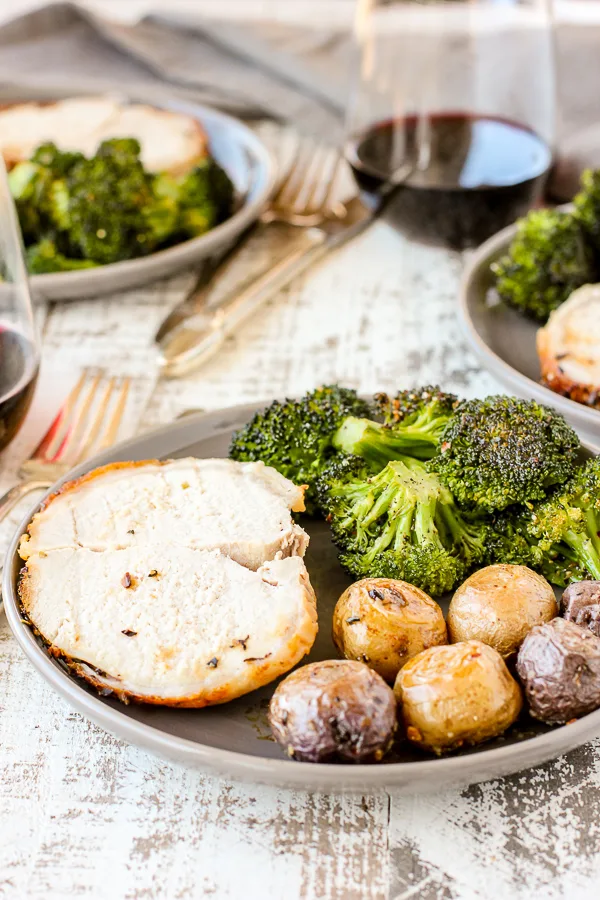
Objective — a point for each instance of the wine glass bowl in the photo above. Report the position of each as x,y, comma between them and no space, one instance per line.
454,110
19,344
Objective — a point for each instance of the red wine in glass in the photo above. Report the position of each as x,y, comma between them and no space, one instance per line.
18,375
463,176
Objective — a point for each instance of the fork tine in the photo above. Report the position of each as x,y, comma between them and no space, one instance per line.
292,188
74,436
318,189
85,449
54,437
288,173
112,431
333,177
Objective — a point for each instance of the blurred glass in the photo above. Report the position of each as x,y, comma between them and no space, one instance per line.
454,103
19,344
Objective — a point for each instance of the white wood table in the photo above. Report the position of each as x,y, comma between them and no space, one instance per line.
84,815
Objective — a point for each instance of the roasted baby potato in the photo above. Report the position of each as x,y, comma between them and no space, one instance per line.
334,711
580,603
499,605
455,695
384,623
559,666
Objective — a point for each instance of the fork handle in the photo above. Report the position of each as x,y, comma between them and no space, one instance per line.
10,499
202,336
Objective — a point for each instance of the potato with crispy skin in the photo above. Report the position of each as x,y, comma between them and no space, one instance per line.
383,623
456,695
499,605
334,711
580,603
559,666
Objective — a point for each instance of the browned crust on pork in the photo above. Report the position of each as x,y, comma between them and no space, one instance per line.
259,674
84,479
98,473
554,377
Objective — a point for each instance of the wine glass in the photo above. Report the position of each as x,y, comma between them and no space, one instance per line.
454,106
19,344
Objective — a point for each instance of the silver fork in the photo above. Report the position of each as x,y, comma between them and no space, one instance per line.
87,423
304,199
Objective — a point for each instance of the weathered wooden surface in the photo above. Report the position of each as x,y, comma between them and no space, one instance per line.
82,814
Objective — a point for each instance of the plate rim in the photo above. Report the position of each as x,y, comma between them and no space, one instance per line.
586,417
429,773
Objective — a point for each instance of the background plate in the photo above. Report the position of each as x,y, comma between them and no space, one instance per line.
504,340
234,739
235,147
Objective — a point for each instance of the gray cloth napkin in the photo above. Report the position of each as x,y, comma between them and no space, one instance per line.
251,70
255,70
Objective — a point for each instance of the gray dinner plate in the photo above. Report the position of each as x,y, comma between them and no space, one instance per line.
234,739
235,147
504,340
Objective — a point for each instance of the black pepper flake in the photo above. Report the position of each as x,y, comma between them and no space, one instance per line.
213,663
257,658
131,531
241,642
374,594
126,580
352,620
152,573
128,633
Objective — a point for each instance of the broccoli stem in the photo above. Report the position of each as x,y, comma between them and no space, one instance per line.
461,534
378,444
583,545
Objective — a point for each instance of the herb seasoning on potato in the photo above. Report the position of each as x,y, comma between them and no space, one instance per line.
383,623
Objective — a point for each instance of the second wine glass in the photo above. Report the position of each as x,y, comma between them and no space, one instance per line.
454,105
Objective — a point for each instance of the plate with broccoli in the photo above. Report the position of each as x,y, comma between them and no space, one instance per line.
102,220
490,506
529,303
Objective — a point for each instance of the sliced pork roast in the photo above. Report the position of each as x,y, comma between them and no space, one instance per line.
180,583
569,347
242,509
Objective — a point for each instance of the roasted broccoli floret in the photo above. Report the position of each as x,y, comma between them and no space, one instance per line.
509,539
587,206
413,422
296,436
567,524
60,162
30,185
108,197
43,258
547,260
205,197
502,450
400,523
108,208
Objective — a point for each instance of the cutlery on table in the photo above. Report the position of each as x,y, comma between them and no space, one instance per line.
197,327
87,423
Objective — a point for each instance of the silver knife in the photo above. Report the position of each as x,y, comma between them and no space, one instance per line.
197,336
